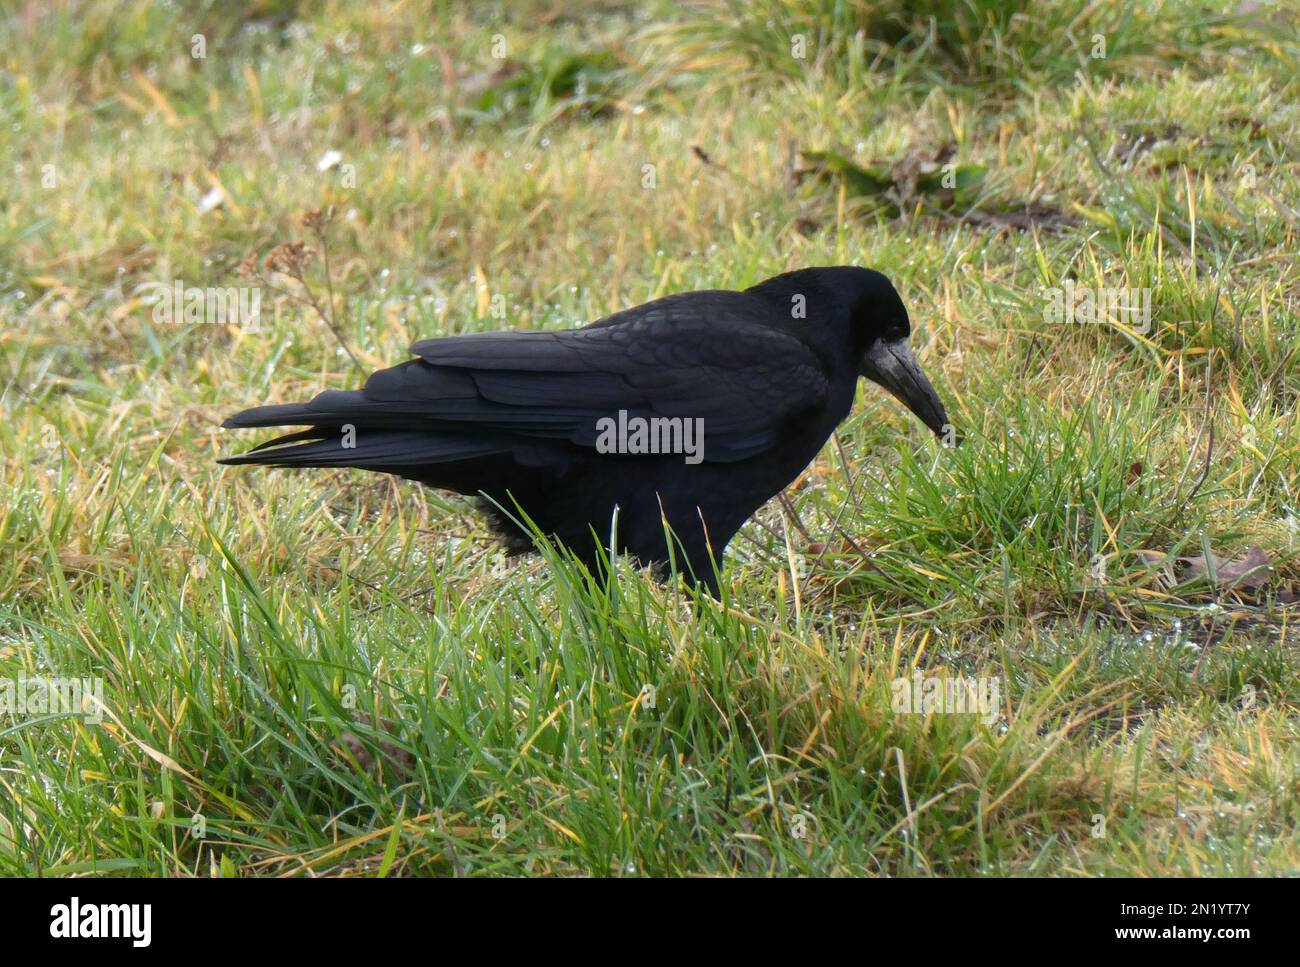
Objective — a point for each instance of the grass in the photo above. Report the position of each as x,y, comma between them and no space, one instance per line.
331,673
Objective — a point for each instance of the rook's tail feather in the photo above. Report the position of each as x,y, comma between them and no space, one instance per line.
334,407
349,431
366,448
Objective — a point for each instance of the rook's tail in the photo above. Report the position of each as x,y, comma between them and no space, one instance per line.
347,430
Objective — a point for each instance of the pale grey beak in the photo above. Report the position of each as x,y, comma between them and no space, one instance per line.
892,365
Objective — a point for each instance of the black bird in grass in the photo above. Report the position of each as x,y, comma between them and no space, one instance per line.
571,427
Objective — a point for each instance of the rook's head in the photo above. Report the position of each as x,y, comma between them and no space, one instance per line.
861,307
883,329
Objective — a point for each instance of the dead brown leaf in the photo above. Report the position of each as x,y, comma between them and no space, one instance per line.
358,751
1251,570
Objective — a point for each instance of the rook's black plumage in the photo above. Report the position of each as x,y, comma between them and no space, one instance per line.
517,416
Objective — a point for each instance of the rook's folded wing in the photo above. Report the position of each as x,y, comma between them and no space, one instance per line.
689,358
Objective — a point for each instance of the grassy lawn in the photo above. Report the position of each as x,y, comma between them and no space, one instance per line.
334,673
